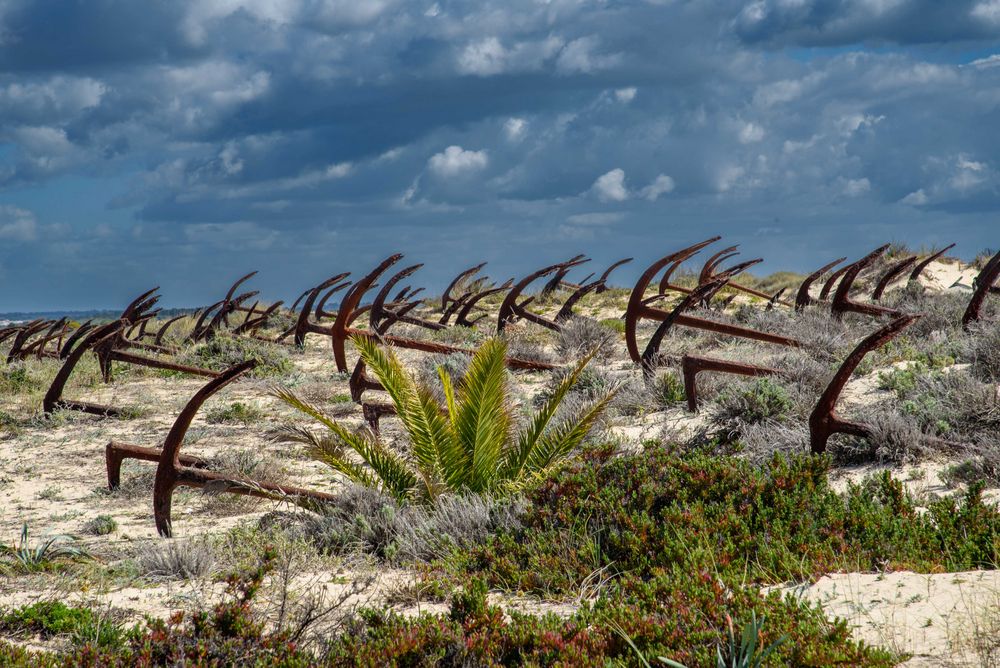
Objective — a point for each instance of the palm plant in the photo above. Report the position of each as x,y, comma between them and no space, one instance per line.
471,444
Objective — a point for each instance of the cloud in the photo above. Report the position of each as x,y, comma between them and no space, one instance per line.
857,187
291,121
661,185
751,133
455,161
915,198
17,224
594,218
626,95
514,129
488,56
610,187
839,22
580,57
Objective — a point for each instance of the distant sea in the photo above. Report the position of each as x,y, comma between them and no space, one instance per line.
14,317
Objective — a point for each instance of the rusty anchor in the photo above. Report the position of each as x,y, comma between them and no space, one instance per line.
842,302
802,298
824,420
639,308
175,470
984,284
511,310
692,365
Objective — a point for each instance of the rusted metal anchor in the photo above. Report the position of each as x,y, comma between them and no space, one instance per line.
680,258
511,310
596,286
639,308
349,311
24,346
607,273
919,269
23,334
692,365
139,307
398,310
468,301
446,296
984,285
842,302
824,420
303,325
891,274
802,298
102,341
175,470
708,273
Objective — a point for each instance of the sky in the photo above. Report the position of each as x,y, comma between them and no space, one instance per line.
184,143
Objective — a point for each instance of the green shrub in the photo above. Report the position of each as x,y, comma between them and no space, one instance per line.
236,412
782,522
54,618
101,525
614,324
19,379
222,352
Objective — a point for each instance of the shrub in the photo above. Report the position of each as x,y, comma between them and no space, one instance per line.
983,351
101,525
614,324
687,514
18,378
366,521
470,447
236,412
750,403
578,336
54,618
222,352
177,560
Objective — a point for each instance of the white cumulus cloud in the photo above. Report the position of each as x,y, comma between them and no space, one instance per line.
661,185
626,95
610,187
456,161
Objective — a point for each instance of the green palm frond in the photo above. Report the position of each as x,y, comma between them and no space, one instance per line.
389,471
421,416
293,433
482,425
558,443
518,457
465,446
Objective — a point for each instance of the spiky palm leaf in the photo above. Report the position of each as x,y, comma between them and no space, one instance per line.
391,473
482,422
527,442
466,446
421,416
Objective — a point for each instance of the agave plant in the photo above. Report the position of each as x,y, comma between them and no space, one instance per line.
32,557
741,651
471,444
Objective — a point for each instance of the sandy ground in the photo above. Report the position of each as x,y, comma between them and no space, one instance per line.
53,477
939,619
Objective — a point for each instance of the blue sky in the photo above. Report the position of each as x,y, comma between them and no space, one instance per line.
183,144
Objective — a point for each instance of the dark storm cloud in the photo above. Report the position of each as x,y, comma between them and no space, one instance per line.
215,136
